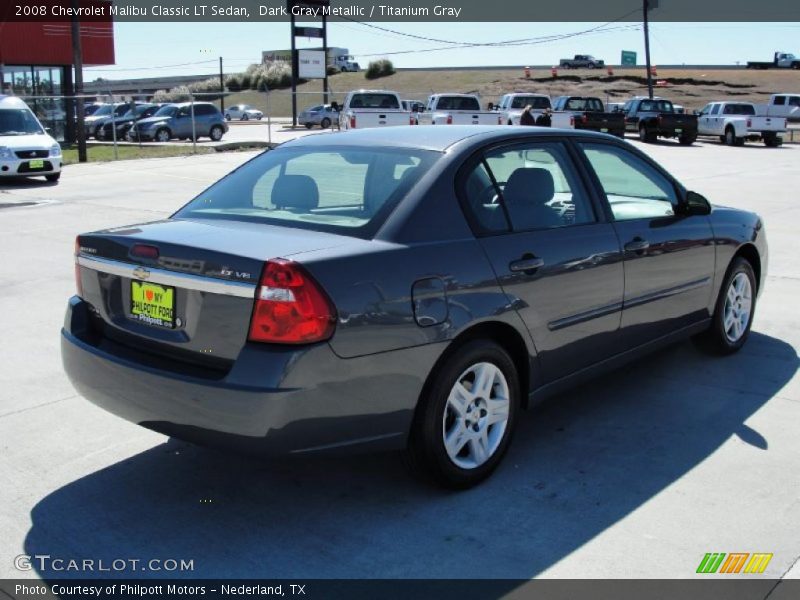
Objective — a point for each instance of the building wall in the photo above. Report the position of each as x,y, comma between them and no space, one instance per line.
50,43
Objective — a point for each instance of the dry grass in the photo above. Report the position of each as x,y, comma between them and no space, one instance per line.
692,88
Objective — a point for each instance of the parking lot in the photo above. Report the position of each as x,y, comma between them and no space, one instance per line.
636,475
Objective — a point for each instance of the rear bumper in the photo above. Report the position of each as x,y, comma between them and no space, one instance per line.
273,401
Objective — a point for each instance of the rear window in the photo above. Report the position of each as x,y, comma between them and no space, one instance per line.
587,104
342,190
374,101
537,102
739,109
663,106
457,103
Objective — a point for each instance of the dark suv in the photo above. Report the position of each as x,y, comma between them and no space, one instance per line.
175,121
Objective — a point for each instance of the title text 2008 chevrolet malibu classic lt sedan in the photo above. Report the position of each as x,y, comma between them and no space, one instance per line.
404,288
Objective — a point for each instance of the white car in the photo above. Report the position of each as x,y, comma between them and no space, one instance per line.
26,149
243,112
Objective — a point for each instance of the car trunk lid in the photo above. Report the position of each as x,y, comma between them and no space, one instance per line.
181,288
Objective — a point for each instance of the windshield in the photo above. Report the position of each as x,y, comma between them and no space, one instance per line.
18,121
338,189
105,109
537,102
587,104
166,111
92,109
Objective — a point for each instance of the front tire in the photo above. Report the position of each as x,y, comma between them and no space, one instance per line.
53,177
245,117
325,123
733,313
466,417
216,133
645,135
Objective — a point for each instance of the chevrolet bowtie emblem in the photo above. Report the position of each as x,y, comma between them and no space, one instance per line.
141,273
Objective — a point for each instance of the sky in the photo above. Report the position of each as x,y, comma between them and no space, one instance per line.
158,49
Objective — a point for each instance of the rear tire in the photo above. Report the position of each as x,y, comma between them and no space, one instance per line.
309,125
772,141
733,312
245,117
645,135
162,135
730,136
465,419
325,123
687,140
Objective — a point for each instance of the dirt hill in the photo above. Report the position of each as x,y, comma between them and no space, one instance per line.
692,88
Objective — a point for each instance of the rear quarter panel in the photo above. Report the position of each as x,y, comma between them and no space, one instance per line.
734,229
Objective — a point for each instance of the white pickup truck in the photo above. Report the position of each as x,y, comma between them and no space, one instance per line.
455,109
511,106
373,108
736,122
781,105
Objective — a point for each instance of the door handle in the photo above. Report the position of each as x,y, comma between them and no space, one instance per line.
637,245
526,264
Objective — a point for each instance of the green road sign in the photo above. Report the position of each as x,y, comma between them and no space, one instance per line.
628,58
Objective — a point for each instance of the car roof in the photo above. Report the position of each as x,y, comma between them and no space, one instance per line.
428,137
12,102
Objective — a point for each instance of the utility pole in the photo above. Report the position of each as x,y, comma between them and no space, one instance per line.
77,60
647,4
221,88
325,59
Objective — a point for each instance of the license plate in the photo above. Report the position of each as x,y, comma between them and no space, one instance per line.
679,131
604,130
36,164
153,304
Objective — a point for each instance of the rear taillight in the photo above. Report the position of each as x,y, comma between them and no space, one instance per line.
660,120
78,284
144,251
572,121
449,119
290,307
584,119
749,123
352,121
412,120
500,120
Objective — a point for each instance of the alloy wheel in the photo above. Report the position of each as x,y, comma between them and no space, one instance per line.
738,304
476,415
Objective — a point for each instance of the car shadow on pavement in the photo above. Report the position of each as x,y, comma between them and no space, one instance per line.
578,465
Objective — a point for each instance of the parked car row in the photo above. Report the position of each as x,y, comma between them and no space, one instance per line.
650,118
141,121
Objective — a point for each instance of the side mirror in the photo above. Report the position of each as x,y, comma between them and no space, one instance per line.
48,130
695,204
490,106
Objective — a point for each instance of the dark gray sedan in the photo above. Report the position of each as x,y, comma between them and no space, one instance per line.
404,288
